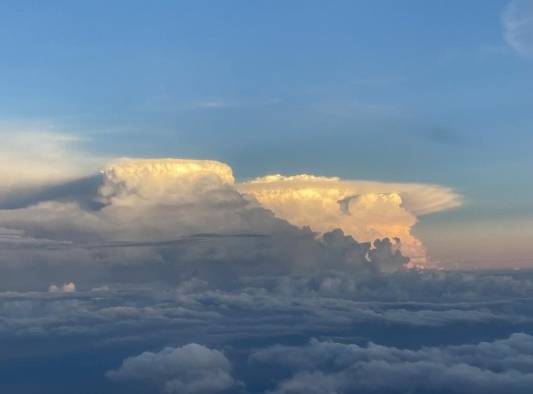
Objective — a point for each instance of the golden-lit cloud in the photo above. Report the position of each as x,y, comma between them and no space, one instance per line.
161,179
363,209
366,210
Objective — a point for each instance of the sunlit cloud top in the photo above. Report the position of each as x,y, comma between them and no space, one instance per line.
366,210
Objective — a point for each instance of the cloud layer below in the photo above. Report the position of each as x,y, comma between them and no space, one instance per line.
167,275
327,367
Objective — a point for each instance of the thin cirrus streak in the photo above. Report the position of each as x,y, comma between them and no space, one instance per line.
11,242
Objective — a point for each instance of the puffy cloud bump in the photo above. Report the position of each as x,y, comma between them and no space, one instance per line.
29,158
162,179
191,369
65,288
327,367
365,210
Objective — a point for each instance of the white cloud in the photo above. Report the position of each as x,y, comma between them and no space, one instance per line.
363,209
518,26
159,180
69,287
149,205
494,367
36,158
244,318
190,369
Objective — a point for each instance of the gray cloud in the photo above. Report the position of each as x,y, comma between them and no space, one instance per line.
402,311
320,367
190,369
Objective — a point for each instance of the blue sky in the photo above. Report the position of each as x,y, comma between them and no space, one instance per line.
384,90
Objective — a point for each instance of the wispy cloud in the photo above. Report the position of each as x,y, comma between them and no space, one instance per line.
518,26
210,103
39,155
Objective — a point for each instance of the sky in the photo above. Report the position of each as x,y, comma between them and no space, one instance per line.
420,91
269,197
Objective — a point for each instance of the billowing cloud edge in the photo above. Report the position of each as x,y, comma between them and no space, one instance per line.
158,199
366,210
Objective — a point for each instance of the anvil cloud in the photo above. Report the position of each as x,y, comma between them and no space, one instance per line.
158,200
365,210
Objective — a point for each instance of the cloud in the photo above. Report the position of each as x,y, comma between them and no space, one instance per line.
141,213
37,158
518,26
162,179
143,200
43,165
81,190
416,317
190,369
65,288
365,210
386,307
157,253
213,103
487,367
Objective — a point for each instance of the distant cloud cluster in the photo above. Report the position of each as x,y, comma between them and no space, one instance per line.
424,331
65,288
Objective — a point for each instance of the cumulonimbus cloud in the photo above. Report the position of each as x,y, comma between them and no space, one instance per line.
137,211
363,209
